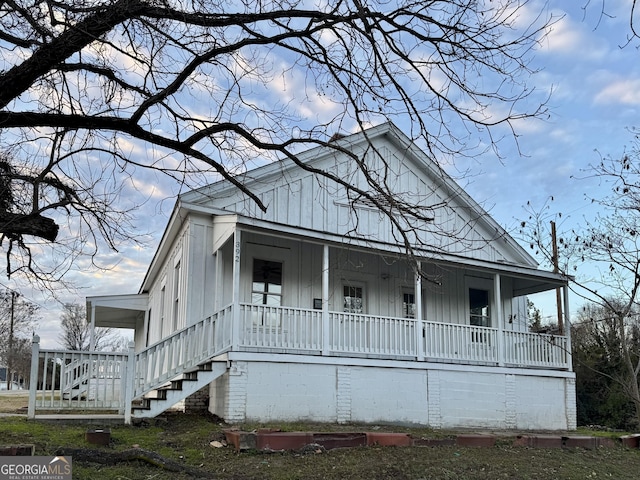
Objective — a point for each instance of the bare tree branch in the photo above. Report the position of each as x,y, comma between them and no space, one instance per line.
206,88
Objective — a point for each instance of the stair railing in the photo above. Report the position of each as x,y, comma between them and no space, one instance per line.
182,351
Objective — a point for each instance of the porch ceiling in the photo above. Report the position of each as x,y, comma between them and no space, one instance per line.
116,311
529,286
527,279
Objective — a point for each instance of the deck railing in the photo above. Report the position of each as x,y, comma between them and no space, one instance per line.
110,381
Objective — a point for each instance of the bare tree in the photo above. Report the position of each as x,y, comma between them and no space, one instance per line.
603,11
21,361
18,318
76,331
200,91
608,245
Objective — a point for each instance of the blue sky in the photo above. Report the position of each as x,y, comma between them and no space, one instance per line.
594,76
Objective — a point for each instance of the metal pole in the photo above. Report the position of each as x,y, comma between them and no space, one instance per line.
10,354
33,377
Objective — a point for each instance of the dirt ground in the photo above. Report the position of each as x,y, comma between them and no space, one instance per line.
14,401
182,447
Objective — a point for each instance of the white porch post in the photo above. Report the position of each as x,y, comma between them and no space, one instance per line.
567,326
235,327
145,328
217,277
497,298
92,332
420,353
326,338
33,378
129,387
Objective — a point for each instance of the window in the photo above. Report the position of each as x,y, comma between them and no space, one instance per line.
266,289
353,299
162,300
479,313
479,308
176,295
408,305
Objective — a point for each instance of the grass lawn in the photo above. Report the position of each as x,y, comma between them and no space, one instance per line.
185,439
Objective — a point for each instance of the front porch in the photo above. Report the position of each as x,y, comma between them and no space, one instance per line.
104,381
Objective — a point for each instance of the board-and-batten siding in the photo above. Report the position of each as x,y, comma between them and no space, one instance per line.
161,321
201,270
306,201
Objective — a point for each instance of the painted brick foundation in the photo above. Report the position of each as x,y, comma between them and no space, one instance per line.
436,396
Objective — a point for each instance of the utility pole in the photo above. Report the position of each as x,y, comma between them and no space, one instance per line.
556,269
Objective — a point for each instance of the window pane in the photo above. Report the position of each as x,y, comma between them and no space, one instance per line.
266,289
408,305
272,300
353,299
265,271
256,298
479,310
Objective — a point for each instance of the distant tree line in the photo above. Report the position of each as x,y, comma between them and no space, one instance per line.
18,317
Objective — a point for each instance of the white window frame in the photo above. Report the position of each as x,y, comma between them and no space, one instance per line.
363,289
272,319
407,291
479,283
163,314
483,284
177,275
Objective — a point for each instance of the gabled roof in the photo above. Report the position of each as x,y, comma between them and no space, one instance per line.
275,181
226,197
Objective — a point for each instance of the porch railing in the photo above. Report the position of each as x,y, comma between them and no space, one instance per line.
285,329
372,335
280,327
110,381
460,343
536,350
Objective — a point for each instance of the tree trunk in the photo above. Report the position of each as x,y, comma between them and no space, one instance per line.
20,224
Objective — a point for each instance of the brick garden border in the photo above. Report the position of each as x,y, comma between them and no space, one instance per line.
274,440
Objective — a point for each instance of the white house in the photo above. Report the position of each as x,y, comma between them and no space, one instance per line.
313,310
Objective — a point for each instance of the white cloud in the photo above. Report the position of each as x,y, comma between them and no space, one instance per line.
621,92
568,38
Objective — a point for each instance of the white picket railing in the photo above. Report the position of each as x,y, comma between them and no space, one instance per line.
283,328
353,333
460,343
536,350
182,351
69,379
110,381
